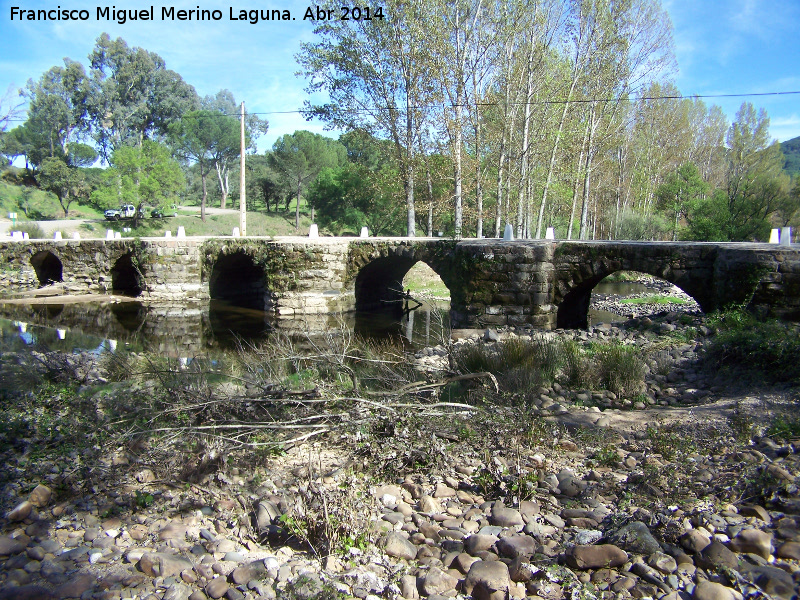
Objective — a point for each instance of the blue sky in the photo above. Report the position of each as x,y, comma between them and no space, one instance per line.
722,47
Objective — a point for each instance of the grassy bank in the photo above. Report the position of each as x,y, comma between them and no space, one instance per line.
40,206
258,224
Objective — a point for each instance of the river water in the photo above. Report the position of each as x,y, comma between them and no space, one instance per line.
189,331
103,326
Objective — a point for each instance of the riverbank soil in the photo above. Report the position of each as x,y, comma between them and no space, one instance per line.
128,476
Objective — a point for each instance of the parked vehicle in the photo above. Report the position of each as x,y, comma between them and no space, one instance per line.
126,211
160,212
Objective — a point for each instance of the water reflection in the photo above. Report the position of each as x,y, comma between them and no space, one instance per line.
614,288
621,288
417,328
192,330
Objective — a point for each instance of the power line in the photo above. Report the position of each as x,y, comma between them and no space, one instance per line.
548,102
467,105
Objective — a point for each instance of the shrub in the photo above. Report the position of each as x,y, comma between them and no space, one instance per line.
518,363
578,366
621,369
32,228
784,428
767,349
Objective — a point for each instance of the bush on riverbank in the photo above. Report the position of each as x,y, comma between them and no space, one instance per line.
521,364
32,228
769,350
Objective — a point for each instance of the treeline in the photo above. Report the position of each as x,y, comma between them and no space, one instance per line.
143,120
459,116
547,113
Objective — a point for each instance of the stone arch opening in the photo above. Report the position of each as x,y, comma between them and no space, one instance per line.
387,303
379,285
237,280
48,268
126,276
573,310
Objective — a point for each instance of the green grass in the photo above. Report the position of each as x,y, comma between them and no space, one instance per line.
784,428
423,281
258,224
518,364
41,206
654,299
769,350
621,369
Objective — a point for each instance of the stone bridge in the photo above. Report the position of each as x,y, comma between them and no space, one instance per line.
491,282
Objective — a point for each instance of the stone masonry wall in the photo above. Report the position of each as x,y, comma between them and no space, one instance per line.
491,282
503,283
303,277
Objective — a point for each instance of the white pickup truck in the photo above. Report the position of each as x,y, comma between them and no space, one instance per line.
126,211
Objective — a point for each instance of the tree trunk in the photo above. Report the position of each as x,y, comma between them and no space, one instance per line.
411,217
297,208
552,163
523,175
205,193
587,174
222,176
577,182
430,197
499,208
478,188
457,174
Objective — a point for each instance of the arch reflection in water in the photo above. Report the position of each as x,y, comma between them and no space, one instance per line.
229,322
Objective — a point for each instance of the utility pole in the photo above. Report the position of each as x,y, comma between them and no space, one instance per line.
242,198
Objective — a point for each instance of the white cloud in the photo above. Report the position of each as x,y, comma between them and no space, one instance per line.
785,128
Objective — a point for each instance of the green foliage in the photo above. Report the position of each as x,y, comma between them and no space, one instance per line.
146,175
785,428
791,155
607,456
81,155
143,499
67,183
679,190
133,96
206,137
753,189
349,197
634,225
56,115
300,156
768,349
621,369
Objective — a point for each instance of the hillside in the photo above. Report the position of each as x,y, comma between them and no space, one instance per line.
791,150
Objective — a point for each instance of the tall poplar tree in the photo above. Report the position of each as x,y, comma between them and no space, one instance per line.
377,75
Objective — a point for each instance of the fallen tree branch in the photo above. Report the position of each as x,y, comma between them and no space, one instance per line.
419,386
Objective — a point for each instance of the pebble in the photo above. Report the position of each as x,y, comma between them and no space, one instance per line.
442,535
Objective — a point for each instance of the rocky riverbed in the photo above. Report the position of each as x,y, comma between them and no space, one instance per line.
678,493
663,296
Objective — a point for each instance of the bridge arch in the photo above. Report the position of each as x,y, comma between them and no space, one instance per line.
127,276
237,278
573,285
379,274
48,267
